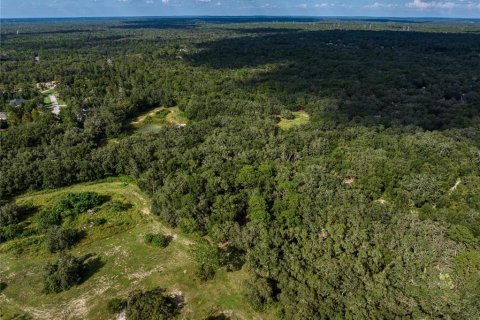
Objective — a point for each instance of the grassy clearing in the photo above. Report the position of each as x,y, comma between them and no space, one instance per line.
46,101
301,118
128,263
50,91
157,118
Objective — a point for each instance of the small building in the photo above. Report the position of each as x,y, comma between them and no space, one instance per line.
46,85
3,120
17,102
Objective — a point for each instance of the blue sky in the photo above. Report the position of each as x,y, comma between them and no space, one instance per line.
95,8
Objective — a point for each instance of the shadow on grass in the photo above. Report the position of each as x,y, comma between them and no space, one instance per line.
91,264
221,316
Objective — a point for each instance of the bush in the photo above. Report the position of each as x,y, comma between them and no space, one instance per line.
49,218
259,292
70,205
118,206
116,305
9,232
58,239
75,203
12,213
63,274
150,305
207,259
205,272
157,240
9,214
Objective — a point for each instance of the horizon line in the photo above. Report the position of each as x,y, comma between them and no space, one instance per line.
245,16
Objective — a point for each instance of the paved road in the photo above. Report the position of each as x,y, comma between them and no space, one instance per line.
56,107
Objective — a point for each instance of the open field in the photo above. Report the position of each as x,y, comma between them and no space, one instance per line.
301,118
50,91
127,263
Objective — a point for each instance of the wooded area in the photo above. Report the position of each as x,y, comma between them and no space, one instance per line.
370,209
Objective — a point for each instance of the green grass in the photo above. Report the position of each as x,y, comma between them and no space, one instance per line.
129,263
50,91
46,101
301,118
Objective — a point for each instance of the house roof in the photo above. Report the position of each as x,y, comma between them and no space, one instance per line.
17,102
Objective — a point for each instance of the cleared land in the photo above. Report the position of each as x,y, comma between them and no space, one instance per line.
157,118
127,263
51,100
301,118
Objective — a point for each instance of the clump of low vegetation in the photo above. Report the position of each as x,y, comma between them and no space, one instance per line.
259,292
116,305
75,203
289,119
153,304
11,217
69,206
62,274
207,259
118,206
11,213
58,238
157,239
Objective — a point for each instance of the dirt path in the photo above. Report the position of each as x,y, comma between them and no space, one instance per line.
456,185
142,118
56,107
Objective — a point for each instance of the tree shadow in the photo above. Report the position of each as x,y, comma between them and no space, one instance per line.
427,80
91,264
220,316
232,258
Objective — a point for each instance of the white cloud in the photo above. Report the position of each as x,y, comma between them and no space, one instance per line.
378,5
424,5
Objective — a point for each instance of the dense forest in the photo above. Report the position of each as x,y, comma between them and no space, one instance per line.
368,210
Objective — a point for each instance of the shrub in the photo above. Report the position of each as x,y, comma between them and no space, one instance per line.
118,206
79,202
49,218
205,272
157,239
207,259
63,274
116,305
58,238
9,232
70,205
151,305
11,213
258,292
